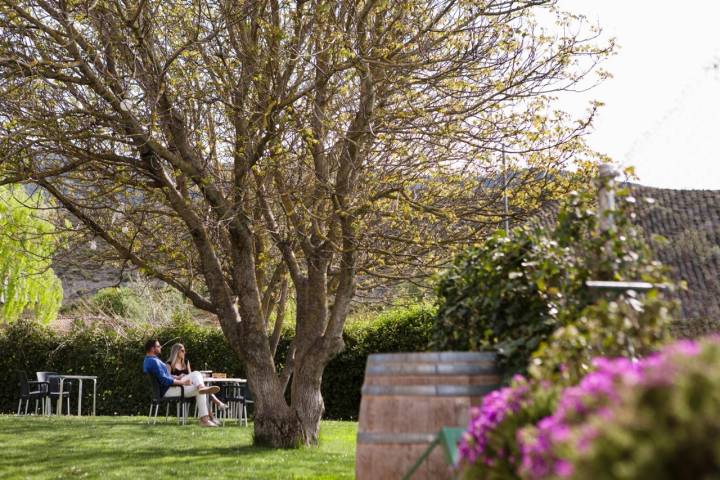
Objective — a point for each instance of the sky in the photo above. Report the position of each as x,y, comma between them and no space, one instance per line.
662,108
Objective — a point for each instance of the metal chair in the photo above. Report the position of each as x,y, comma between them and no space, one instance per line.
30,390
157,399
248,399
233,395
53,389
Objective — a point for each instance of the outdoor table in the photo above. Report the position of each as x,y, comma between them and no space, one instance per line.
237,381
223,380
80,378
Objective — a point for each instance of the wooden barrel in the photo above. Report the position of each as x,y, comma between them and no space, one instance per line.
406,399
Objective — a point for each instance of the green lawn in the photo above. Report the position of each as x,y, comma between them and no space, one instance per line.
126,447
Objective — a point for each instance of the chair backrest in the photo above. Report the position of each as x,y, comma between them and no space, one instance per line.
23,382
52,379
246,392
43,376
230,391
154,386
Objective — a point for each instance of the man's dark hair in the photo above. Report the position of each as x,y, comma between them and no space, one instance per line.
150,344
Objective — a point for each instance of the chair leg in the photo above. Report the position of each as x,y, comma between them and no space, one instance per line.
152,416
220,414
19,406
27,403
167,411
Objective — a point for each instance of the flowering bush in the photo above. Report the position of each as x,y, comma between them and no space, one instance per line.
653,418
664,426
488,449
569,425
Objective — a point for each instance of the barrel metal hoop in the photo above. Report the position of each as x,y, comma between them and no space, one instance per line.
428,390
431,369
432,357
395,438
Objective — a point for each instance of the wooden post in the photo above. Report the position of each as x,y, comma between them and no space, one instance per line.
606,197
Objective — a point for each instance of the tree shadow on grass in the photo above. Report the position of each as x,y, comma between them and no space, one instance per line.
163,462
130,448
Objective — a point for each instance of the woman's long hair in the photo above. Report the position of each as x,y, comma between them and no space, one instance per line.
174,352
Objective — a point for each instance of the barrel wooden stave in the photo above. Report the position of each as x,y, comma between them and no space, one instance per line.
448,380
414,414
407,398
391,462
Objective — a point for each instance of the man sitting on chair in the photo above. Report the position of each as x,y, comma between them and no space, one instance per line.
170,387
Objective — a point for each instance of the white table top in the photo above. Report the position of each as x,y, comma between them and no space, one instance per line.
230,380
77,377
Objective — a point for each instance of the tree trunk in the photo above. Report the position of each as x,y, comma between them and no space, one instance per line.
306,398
280,425
276,424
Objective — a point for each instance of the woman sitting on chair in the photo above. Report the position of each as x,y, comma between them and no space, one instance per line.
180,367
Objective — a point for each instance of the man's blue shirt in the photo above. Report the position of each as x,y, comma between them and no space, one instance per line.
155,367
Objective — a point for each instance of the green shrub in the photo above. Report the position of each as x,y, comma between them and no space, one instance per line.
140,302
495,296
512,293
402,329
116,358
622,327
118,302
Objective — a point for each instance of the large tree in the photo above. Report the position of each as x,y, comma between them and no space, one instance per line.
244,151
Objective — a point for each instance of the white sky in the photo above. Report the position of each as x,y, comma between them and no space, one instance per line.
662,108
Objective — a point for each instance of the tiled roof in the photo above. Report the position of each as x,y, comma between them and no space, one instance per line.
689,221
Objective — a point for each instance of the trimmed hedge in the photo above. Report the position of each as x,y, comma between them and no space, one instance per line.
397,330
117,359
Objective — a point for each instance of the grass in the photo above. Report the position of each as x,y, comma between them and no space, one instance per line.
128,448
